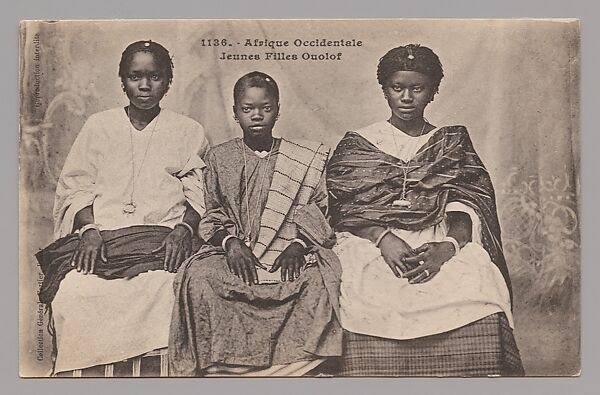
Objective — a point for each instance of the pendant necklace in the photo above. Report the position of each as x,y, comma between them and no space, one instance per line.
248,238
130,207
403,202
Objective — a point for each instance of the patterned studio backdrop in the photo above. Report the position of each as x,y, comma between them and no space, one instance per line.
514,84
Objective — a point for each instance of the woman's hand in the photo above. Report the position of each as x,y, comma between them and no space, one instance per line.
241,261
394,251
90,248
291,261
177,246
428,259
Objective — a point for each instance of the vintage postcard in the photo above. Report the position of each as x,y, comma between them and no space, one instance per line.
372,198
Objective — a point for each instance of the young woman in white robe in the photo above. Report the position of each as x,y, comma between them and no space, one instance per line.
138,165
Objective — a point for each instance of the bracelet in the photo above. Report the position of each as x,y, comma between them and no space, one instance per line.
87,227
381,236
187,226
225,240
301,242
454,243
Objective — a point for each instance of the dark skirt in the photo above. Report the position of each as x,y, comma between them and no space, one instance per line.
219,320
485,347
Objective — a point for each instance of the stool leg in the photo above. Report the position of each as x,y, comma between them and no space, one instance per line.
136,367
164,364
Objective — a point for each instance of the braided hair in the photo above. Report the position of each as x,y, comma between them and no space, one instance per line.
411,57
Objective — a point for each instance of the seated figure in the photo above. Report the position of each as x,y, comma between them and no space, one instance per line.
127,207
260,298
425,288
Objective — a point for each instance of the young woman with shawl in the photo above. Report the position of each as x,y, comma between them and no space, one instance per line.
425,288
260,298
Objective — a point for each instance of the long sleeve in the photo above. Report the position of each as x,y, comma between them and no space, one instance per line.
191,174
215,218
320,196
76,187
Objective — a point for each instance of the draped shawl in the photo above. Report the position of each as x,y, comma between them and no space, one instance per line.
364,181
129,253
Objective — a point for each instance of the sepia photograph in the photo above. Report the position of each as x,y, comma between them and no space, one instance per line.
299,198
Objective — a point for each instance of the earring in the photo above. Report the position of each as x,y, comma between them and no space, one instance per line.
236,119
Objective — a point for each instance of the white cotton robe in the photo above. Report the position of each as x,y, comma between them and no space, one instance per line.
102,321
375,302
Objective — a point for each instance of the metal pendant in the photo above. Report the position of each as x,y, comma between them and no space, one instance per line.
401,203
129,208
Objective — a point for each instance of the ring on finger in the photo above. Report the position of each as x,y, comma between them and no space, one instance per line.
421,262
426,272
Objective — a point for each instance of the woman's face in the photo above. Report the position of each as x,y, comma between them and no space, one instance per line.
145,81
407,94
256,110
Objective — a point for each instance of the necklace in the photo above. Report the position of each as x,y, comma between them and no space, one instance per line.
248,238
403,201
129,208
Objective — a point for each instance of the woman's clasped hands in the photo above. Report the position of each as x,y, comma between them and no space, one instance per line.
417,265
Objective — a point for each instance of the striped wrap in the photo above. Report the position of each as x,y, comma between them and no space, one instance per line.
300,165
